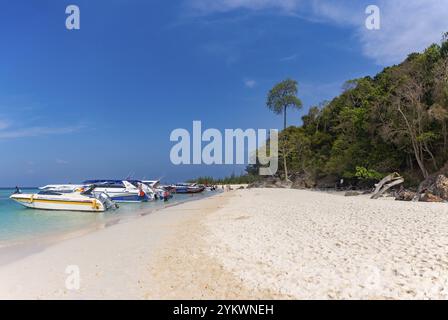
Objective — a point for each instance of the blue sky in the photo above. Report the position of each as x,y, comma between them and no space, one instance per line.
101,102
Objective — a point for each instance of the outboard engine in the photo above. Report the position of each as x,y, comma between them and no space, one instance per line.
106,200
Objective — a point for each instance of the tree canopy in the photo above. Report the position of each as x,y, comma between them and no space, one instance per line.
282,96
396,121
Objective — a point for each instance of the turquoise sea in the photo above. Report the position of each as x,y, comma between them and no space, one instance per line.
18,223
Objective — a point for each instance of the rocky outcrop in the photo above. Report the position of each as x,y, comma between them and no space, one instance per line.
429,197
271,182
441,187
434,188
436,184
352,194
303,181
404,195
327,182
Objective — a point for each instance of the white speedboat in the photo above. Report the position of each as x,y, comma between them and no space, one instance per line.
122,190
160,192
188,188
75,201
63,188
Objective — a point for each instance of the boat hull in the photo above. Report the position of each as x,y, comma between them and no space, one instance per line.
88,205
188,190
123,196
128,198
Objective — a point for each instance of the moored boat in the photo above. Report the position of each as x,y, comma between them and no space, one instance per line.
75,201
122,190
63,188
160,192
187,188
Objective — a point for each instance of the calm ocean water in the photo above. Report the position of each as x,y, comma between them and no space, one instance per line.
18,223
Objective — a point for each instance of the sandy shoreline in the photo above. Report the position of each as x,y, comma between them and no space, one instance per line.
251,244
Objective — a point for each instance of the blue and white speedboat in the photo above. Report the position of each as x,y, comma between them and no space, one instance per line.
188,188
161,193
122,190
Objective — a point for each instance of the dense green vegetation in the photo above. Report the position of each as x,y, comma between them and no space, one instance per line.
396,121
233,179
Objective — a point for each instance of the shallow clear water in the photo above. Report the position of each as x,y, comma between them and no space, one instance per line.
18,223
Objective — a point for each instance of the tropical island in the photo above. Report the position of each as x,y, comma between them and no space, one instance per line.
395,121
284,238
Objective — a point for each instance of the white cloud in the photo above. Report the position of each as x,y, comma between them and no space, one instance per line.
62,162
36,131
4,124
210,6
289,58
406,25
230,51
250,83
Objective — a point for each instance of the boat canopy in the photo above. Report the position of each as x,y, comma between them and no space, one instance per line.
106,183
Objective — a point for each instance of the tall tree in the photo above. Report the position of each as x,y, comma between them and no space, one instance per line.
280,98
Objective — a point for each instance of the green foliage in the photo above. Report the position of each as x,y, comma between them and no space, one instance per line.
444,46
233,179
427,136
365,174
282,96
396,121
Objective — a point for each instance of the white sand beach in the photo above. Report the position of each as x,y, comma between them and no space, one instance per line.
250,244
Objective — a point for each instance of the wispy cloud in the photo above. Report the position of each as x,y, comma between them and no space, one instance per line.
62,162
250,83
209,6
4,124
10,132
227,50
289,58
406,25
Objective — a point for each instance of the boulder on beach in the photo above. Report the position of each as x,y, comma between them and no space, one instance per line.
429,197
327,182
303,181
404,195
441,187
271,182
435,185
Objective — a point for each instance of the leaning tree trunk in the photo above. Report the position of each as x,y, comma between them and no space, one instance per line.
418,153
416,145
284,145
445,136
284,118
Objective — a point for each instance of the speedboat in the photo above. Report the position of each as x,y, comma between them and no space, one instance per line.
187,188
122,190
63,188
160,192
52,200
